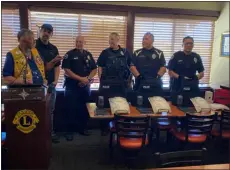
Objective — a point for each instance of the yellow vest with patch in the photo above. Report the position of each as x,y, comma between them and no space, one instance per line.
20,64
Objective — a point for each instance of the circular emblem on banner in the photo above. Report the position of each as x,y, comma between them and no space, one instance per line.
195,60
25,120
154,56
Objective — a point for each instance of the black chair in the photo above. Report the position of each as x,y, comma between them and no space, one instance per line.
197,128
180,158
224,131
130,133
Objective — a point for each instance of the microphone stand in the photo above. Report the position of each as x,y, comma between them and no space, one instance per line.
24,73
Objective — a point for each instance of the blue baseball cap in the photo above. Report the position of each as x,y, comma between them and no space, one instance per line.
47,26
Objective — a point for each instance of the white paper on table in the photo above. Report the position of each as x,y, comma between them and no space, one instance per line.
119,105
159,104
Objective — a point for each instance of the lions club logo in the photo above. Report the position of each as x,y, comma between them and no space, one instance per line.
25,120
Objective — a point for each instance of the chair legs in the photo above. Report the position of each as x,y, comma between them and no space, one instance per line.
150,137
158,135
111,145
168,137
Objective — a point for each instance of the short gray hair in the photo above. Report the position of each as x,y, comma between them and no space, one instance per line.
115,34
150,34
24,32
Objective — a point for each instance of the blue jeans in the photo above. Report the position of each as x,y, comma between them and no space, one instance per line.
52,101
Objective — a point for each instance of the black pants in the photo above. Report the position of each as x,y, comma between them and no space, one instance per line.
76,116
178,89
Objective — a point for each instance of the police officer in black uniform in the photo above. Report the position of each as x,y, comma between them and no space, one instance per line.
52,64
115,61
149,62
80,68
183,67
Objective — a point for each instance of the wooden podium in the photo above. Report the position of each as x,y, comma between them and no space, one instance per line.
28,128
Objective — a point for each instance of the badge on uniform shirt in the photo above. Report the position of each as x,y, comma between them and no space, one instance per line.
122,53
154,56
195,59
66,56
88,57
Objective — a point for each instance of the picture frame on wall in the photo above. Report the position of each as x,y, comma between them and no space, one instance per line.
225,44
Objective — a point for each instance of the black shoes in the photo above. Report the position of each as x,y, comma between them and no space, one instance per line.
69,136
84,133
55,138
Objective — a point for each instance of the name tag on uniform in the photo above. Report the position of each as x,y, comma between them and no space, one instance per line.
146,87
75,58
187,88
141,56
180,61
105,87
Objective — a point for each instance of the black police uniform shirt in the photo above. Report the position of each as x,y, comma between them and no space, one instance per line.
108,53
80,63
148,61
48,52
186,65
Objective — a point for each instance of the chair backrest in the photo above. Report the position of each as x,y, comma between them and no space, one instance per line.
197,124
225,121
131,127
180,158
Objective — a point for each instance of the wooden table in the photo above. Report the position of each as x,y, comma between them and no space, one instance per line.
133,112
204,167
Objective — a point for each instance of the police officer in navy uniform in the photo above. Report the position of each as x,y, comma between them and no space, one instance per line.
183,67
80,68
115,60
149,62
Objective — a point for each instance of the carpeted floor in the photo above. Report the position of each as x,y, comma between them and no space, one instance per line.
91,153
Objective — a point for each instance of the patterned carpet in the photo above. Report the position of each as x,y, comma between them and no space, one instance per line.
91,153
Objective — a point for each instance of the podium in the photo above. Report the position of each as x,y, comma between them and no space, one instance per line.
28,128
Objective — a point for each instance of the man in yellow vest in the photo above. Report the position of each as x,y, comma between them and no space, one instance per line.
23,64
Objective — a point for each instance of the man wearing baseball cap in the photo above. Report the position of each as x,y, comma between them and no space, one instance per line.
52,65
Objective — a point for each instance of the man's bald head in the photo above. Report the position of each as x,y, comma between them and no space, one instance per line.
80,42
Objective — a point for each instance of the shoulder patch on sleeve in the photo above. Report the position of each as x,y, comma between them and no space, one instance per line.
172,57
195,59
138,52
